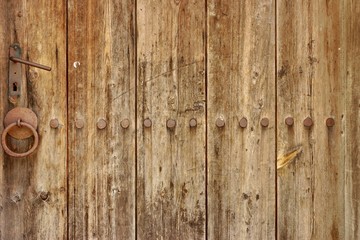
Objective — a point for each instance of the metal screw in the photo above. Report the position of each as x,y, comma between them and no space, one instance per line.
147,123
330,122
125,123
171,123
308,122
192,122
79,123
220,122
264,122
54,123
289,121
101,124
243,122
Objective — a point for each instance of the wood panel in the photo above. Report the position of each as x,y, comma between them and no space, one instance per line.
241,84
171,85
310,84
101,87
33,189
351,75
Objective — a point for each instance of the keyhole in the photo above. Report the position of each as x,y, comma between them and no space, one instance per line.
15,87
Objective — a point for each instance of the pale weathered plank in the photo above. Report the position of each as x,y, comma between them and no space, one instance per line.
171,85
33,189
311,185
351,75
241,84
101,86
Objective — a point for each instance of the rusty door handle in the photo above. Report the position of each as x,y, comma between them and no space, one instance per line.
19,123
16,59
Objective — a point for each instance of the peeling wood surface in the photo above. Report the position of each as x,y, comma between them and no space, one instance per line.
310,84
33,189
101,86
351,76
241,83
171,85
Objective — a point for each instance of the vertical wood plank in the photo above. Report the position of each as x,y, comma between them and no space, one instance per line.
171,85
351,49
311,185
241,80
101,90
33,189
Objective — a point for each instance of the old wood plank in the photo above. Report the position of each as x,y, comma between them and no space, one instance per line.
311,186
33,189
351,51
241,84
102,87
171,85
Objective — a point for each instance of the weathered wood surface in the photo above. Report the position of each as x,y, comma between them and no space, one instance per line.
101,86
351,76
171,85
310,84
33,189
241,83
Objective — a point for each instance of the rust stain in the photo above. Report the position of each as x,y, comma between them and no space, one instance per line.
287,158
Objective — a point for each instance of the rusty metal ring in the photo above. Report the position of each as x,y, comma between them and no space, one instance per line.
14,154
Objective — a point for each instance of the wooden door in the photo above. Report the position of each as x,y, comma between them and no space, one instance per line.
184,119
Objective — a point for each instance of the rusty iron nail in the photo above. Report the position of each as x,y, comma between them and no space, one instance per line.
54,123
101,123
330,122
192,122
308,122
79,123
147,123
220,122
243,122
264,122
289,121
171,123
125,123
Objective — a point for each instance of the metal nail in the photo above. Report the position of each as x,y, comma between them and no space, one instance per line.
289,121
243,122
101,124
264,122
147,123
79,123
308,122
192,122
125,123
171,123
330,122
220,122
54,123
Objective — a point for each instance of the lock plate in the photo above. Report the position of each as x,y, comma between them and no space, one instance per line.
15,78
25,115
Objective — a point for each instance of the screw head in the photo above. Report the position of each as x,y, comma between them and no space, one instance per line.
79,123
147,123
308,122
243,122
264,122
125,123
330,122
171,123
192,122
54,123
289,121
101,124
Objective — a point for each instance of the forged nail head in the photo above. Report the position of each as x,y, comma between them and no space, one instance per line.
147,123
171,123
101,124
330,122
264,122
54,123
79,123
220,122
308,122
125,123
289,121
243,122
192,122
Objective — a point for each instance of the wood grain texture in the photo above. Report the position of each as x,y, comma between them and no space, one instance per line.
171,85
101,86
33,189
311,187
241,83
351,75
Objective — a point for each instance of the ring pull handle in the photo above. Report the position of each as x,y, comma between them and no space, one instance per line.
19,123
